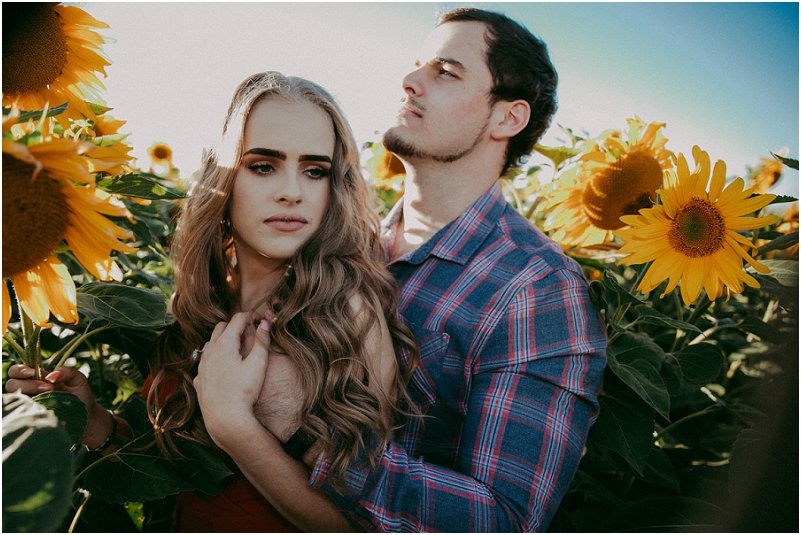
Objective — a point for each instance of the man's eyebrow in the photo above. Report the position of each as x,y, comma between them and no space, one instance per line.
450,61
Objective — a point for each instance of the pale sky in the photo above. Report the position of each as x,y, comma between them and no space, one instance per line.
723,76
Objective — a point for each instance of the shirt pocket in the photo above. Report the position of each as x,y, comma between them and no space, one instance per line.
433,346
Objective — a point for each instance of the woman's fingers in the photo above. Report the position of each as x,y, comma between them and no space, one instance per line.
20,371
29,387
218,330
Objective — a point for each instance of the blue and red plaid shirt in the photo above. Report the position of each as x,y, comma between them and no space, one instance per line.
512,357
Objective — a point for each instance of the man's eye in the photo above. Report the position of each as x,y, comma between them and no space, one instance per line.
446,72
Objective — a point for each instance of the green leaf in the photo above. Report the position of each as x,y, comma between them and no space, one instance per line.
765,331
636,359
782,198
650,315
660,471
37,114
598,295
785,272
109,140
666,514
69,410
589,262
625,425
789,162
37,467
133,475
142,185
623,295
126,306
782,242
556,154
700,364
98,109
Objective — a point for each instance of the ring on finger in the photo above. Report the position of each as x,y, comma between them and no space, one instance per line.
196,354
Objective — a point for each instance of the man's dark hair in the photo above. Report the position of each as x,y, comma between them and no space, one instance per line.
521,70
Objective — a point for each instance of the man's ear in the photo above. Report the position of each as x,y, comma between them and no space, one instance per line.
510,117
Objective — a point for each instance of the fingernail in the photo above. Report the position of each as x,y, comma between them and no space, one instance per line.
26,372
264,325
44,388
53,377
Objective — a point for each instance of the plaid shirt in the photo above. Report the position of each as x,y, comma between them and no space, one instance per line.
512,354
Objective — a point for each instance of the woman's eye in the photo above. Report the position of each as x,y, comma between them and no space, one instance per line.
445,72
260,168
317,173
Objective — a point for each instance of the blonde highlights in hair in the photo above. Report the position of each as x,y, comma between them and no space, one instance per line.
316,324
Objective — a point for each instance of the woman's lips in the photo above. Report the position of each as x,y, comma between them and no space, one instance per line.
286,223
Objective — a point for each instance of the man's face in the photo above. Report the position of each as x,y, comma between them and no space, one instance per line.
446,109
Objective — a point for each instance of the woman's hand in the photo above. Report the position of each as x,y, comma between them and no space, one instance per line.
68,380
228,384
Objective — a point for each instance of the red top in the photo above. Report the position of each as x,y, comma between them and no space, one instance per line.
238,508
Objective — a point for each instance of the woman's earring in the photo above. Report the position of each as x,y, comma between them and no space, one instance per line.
288,270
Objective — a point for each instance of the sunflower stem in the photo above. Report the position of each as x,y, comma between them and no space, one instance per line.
18,349
640,277
30,335
74,523
680,421
511,189
702,306
679,307
66,352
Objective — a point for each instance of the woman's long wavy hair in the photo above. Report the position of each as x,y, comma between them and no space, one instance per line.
315,324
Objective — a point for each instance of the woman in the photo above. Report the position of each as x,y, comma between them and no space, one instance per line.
278,273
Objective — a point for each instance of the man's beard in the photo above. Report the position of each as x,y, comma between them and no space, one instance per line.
405,149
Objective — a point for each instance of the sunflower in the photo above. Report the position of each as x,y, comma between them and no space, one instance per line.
767,173
615,177
160,153
49,197
51,55
383,165
692,236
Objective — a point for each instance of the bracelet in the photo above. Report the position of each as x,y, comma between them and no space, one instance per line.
106,442
298,444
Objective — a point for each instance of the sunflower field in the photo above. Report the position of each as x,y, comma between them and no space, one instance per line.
694,271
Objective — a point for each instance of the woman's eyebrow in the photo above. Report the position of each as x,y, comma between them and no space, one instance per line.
272,153
314,158
268,152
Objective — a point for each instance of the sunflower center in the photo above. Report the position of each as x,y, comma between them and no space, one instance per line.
621,188
34,47
161,152
34,216
698,229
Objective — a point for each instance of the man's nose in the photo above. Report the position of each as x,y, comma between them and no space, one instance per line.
413,83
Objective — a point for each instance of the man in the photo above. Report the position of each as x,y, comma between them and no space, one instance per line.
512,349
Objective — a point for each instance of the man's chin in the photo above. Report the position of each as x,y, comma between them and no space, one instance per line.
394,141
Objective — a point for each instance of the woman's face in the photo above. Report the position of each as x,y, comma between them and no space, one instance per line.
281,188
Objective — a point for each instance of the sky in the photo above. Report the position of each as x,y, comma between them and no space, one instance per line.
723,76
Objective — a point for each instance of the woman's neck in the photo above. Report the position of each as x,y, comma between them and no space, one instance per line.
256,285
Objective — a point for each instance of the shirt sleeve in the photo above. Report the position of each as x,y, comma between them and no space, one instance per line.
534,381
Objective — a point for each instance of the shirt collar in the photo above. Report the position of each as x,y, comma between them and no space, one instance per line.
458,240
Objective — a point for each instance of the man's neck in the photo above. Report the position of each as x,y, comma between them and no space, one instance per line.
435,194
